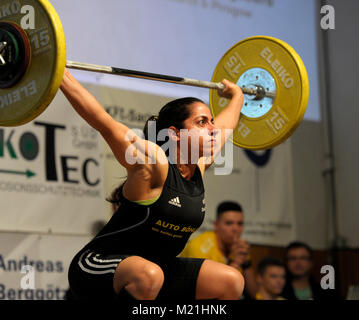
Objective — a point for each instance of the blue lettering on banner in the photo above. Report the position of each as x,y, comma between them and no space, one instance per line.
40,266
48,293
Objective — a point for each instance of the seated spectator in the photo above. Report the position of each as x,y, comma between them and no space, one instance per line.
301,284
225,245
271,279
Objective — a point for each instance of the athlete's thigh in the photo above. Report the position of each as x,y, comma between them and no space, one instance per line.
132,269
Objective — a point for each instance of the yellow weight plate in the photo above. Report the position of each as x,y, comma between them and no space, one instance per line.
26,100
275,65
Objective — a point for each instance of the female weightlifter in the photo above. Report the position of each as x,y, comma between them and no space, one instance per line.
160,204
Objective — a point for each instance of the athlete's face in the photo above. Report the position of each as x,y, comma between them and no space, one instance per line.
229,226
200,131
299,262
273,280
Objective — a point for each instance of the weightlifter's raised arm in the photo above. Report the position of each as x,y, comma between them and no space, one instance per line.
119,137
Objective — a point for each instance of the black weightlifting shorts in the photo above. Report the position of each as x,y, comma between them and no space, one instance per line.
91,277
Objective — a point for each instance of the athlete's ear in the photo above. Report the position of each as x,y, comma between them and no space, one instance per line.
174,133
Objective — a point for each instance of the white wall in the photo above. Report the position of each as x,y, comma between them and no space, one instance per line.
344,106
309,185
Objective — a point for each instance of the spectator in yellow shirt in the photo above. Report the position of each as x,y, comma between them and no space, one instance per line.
225,245
271,279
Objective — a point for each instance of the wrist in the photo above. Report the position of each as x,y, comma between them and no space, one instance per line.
237,95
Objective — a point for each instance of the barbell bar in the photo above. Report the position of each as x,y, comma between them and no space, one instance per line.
259,92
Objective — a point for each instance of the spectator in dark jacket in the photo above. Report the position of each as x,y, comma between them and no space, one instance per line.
301,284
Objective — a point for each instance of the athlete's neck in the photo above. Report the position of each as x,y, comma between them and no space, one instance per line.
186,170
186,159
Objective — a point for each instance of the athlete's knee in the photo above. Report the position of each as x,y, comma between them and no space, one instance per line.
141,278
233,283
150,279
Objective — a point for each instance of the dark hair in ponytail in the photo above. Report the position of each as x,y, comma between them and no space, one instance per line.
173,114
114,197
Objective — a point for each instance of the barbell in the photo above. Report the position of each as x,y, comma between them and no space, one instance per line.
270,72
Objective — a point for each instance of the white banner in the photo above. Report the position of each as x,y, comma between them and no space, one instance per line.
35,267
51,173
261,181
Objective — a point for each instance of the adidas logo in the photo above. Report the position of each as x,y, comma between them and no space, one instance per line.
175,202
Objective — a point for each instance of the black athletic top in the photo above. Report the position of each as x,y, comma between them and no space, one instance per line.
160,230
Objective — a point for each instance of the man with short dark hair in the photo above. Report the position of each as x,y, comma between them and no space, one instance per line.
271,279
225,245
301,284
